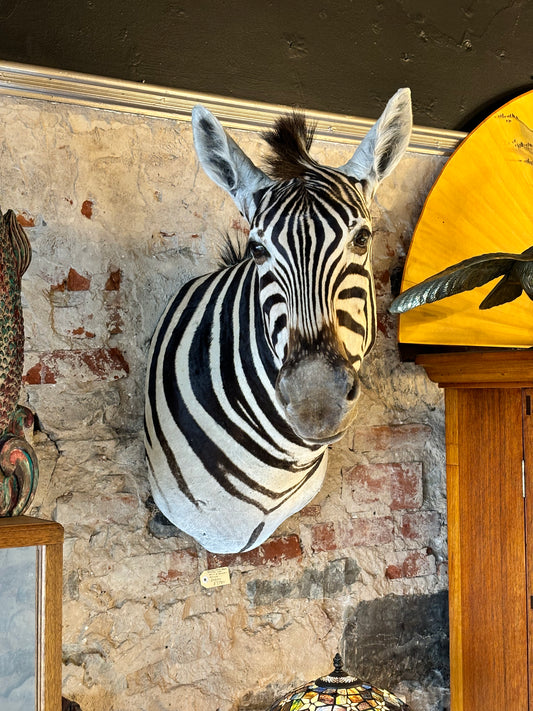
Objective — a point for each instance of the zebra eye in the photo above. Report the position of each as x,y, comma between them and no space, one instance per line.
258,251
360,240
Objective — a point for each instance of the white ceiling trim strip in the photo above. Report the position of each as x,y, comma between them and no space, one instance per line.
31,82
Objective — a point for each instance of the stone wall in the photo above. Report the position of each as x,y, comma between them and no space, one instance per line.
119,215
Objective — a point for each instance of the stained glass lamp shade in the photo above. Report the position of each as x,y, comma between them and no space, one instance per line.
339,692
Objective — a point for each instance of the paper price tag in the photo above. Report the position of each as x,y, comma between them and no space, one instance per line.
215,578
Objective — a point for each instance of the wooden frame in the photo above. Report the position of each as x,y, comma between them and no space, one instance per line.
47,538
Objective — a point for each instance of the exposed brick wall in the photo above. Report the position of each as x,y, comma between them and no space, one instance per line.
90,364
272,552
119,217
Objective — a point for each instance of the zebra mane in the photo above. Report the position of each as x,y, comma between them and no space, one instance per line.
232,252
290,141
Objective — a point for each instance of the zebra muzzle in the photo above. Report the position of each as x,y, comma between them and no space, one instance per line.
318,395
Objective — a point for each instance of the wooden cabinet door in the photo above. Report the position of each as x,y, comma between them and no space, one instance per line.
527,418
487,551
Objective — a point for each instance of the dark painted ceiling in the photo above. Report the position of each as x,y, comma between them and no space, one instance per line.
462,59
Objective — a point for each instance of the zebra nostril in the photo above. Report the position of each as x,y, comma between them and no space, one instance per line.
353,392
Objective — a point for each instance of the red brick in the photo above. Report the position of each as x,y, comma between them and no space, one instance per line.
114,323
72,282
59,287
413,564
25,219
395,485
418,528
366,531
361,531
311,510
39,374
77,282
323,537
273,551
183,567
80,331
103,361
406,486
388,438
114,280
87,209
89,365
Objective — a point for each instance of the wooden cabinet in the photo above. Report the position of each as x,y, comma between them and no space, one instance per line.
31,559
489,451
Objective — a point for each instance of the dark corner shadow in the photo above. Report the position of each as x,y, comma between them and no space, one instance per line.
482,112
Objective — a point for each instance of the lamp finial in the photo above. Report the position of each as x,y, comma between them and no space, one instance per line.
337,663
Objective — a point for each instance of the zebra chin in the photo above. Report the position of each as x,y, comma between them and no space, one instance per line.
318,397
319,429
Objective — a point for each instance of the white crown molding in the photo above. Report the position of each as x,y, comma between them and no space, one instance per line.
30,82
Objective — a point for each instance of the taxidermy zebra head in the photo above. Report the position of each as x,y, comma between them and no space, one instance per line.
253,369
310,238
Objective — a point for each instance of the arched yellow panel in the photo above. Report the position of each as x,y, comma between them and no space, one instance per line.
482,202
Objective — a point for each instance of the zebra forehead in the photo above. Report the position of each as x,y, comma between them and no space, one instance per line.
318,191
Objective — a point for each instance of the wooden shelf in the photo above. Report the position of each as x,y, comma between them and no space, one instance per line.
479,369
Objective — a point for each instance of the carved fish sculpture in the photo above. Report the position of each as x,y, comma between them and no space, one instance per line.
18,463
515,270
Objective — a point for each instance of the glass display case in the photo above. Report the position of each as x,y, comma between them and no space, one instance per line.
31,559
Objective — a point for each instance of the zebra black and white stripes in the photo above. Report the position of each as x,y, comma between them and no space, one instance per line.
253,369
320,210
236,432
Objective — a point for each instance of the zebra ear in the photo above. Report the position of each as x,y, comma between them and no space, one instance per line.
383,146
225,163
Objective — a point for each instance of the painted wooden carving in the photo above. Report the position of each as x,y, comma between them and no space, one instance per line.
478,217
18,463
253,369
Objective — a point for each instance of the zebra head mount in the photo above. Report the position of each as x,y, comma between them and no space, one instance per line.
253,369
